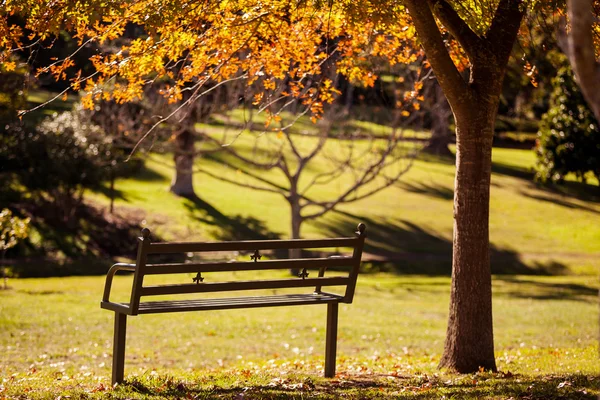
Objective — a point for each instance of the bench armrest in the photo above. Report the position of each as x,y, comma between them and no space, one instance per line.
111,273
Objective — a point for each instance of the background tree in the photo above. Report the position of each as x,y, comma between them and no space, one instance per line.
580,47
360,163
440,113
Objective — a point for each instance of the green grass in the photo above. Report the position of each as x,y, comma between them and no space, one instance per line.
55,340
533,229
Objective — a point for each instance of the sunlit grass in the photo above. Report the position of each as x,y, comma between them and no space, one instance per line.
55,339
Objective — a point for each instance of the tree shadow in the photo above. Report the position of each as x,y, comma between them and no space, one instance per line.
402,247
512,171
435,158
117,194
577,190
437,191
560,202
145,174
228,228
531,289
83,243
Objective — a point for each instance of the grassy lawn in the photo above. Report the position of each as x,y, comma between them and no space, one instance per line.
55,340
533,229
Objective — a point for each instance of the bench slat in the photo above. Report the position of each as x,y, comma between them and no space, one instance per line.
175,268
248,245
153,307
242,285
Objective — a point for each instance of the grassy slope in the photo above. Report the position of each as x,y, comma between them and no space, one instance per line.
532,229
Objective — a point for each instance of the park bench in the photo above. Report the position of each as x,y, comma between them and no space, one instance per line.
139,304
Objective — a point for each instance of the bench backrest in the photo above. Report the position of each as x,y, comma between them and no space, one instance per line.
146,248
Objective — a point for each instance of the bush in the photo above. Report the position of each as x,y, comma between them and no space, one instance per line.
59,159
569,138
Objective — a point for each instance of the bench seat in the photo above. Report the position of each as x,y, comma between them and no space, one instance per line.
225,303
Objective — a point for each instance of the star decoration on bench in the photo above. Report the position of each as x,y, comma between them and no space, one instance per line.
256,256
198,278
303,274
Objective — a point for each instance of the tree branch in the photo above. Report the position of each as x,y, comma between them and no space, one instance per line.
504,28
458,28
448,75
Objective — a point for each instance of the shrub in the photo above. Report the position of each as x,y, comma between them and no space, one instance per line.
569,137
12,229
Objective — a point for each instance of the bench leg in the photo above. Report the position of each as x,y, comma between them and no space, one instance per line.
331,339
118,364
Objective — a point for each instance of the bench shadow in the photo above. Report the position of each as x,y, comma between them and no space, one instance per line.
402,247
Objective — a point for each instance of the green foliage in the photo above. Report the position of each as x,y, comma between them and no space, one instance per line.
13,93
12,229
569,138
64,155
59,158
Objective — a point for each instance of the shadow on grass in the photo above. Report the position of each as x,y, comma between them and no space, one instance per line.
560,202
83,243
530,289
400,246
567,386
228,228
440,192
577,190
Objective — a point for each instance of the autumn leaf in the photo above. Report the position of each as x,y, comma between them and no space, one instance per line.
10,66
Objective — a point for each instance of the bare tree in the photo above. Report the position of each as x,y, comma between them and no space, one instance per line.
441,113
359,162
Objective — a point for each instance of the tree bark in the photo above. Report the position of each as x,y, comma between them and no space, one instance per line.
581,52
182,183
469,339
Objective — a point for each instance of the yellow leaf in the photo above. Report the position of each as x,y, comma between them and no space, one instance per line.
10,66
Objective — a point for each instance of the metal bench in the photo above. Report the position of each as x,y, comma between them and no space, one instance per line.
316,295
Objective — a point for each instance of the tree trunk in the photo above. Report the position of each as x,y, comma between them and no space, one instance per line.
441,135
469,338
4,271
296,224
112,189
182,183
581,51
